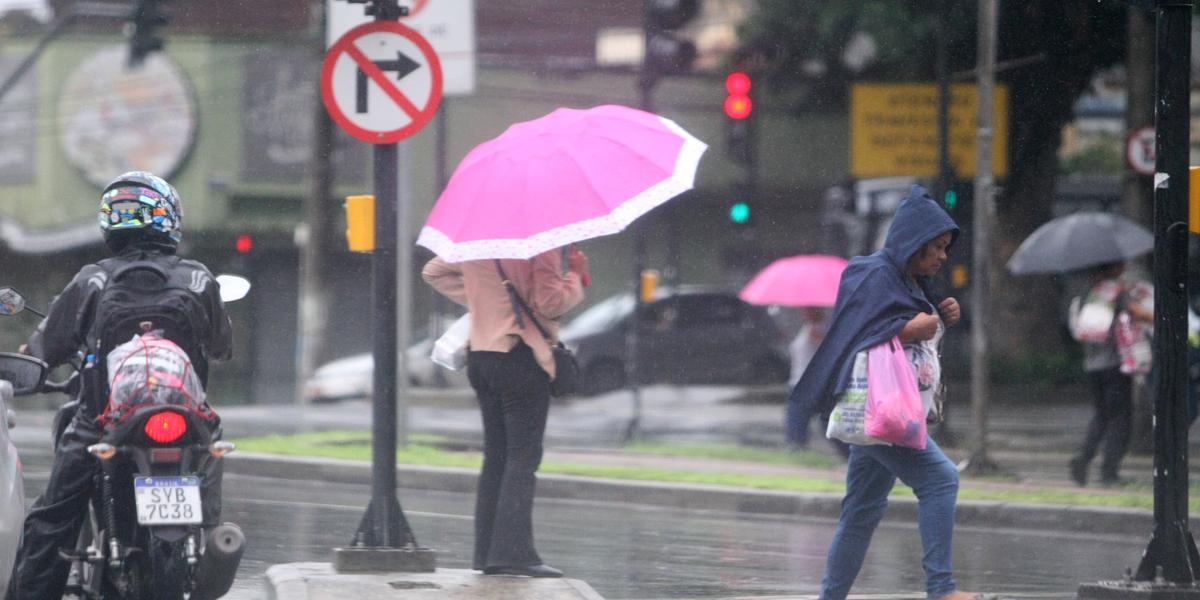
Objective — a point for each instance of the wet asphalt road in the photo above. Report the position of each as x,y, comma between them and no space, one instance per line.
635,552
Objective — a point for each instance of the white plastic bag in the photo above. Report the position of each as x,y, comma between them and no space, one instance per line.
847,422
1091,319
450,350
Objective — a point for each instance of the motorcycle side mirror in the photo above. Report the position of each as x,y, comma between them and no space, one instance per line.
233,287
25,373
11,302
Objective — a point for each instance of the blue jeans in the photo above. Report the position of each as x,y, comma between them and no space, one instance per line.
869,478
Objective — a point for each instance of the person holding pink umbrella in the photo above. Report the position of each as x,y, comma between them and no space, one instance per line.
498,229
510,366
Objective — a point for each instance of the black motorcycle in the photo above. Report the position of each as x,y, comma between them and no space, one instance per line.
143,538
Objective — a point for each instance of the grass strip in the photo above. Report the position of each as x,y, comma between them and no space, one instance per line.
424,450
804,458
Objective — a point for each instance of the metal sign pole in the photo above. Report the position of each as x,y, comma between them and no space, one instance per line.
384,541
384,524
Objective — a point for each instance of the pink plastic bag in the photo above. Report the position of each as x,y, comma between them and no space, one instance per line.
894,411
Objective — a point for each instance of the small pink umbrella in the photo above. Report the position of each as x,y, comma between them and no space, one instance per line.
569,176
806,280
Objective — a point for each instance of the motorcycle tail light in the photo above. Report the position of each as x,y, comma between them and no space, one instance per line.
166,455
165,427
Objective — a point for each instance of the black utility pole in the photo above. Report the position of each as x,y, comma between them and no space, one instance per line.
663,54
1170,565
647,79
384,541
1172,551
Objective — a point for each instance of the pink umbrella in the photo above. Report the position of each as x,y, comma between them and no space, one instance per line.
806,280
569,176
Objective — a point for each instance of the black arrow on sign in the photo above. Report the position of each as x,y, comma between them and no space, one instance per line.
403,65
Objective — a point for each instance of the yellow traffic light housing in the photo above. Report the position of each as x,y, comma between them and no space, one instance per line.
360,223
1194,199
649,285
958,277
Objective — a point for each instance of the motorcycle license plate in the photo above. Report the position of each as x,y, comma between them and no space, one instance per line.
167,500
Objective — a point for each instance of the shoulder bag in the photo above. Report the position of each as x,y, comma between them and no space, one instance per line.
566,368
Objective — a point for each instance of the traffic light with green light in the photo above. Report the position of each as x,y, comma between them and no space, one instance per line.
950,199
739,213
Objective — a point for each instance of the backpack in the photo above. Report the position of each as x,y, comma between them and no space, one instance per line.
142,296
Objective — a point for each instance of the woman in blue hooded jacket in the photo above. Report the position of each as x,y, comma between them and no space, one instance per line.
881,296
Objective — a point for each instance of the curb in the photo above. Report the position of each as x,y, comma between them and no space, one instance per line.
1008,515
320,581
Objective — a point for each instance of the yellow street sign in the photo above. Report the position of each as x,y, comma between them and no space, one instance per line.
893,130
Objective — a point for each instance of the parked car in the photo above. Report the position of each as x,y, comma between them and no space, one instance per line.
689,335
12,488
350,378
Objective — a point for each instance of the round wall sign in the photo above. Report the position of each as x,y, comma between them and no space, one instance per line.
113,118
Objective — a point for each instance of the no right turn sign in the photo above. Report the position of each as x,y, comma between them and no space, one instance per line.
381,82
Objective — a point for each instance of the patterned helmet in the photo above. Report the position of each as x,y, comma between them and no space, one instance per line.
139,200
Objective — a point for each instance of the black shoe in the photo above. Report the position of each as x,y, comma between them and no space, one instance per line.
529,571
1079,472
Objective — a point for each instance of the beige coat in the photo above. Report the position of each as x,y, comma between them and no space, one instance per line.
476,285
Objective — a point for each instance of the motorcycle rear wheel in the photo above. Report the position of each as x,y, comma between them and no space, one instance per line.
168,575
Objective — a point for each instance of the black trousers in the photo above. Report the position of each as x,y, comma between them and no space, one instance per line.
514,399
1112,392
56,517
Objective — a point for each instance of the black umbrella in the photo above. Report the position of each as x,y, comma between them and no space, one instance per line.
1078,241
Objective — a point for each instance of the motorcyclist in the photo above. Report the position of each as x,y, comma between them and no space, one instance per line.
141,220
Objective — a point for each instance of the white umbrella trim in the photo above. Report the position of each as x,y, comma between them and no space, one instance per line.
681,180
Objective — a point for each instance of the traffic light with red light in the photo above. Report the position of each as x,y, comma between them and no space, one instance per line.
666,53
739,110
243,244
738,105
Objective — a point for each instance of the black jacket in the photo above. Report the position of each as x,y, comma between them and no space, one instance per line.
64,330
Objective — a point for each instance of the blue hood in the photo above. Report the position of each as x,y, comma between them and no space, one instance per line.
874,302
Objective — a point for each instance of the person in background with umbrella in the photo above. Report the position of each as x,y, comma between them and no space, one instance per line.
808,282
805,344
510,366
1109,377
801,351
1102,243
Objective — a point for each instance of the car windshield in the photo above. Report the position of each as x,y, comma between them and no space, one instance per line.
599,317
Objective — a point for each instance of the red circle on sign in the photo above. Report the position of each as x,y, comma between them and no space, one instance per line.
420,116
1140,150
416,7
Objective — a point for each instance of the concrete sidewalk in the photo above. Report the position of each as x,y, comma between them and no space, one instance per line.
318,581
